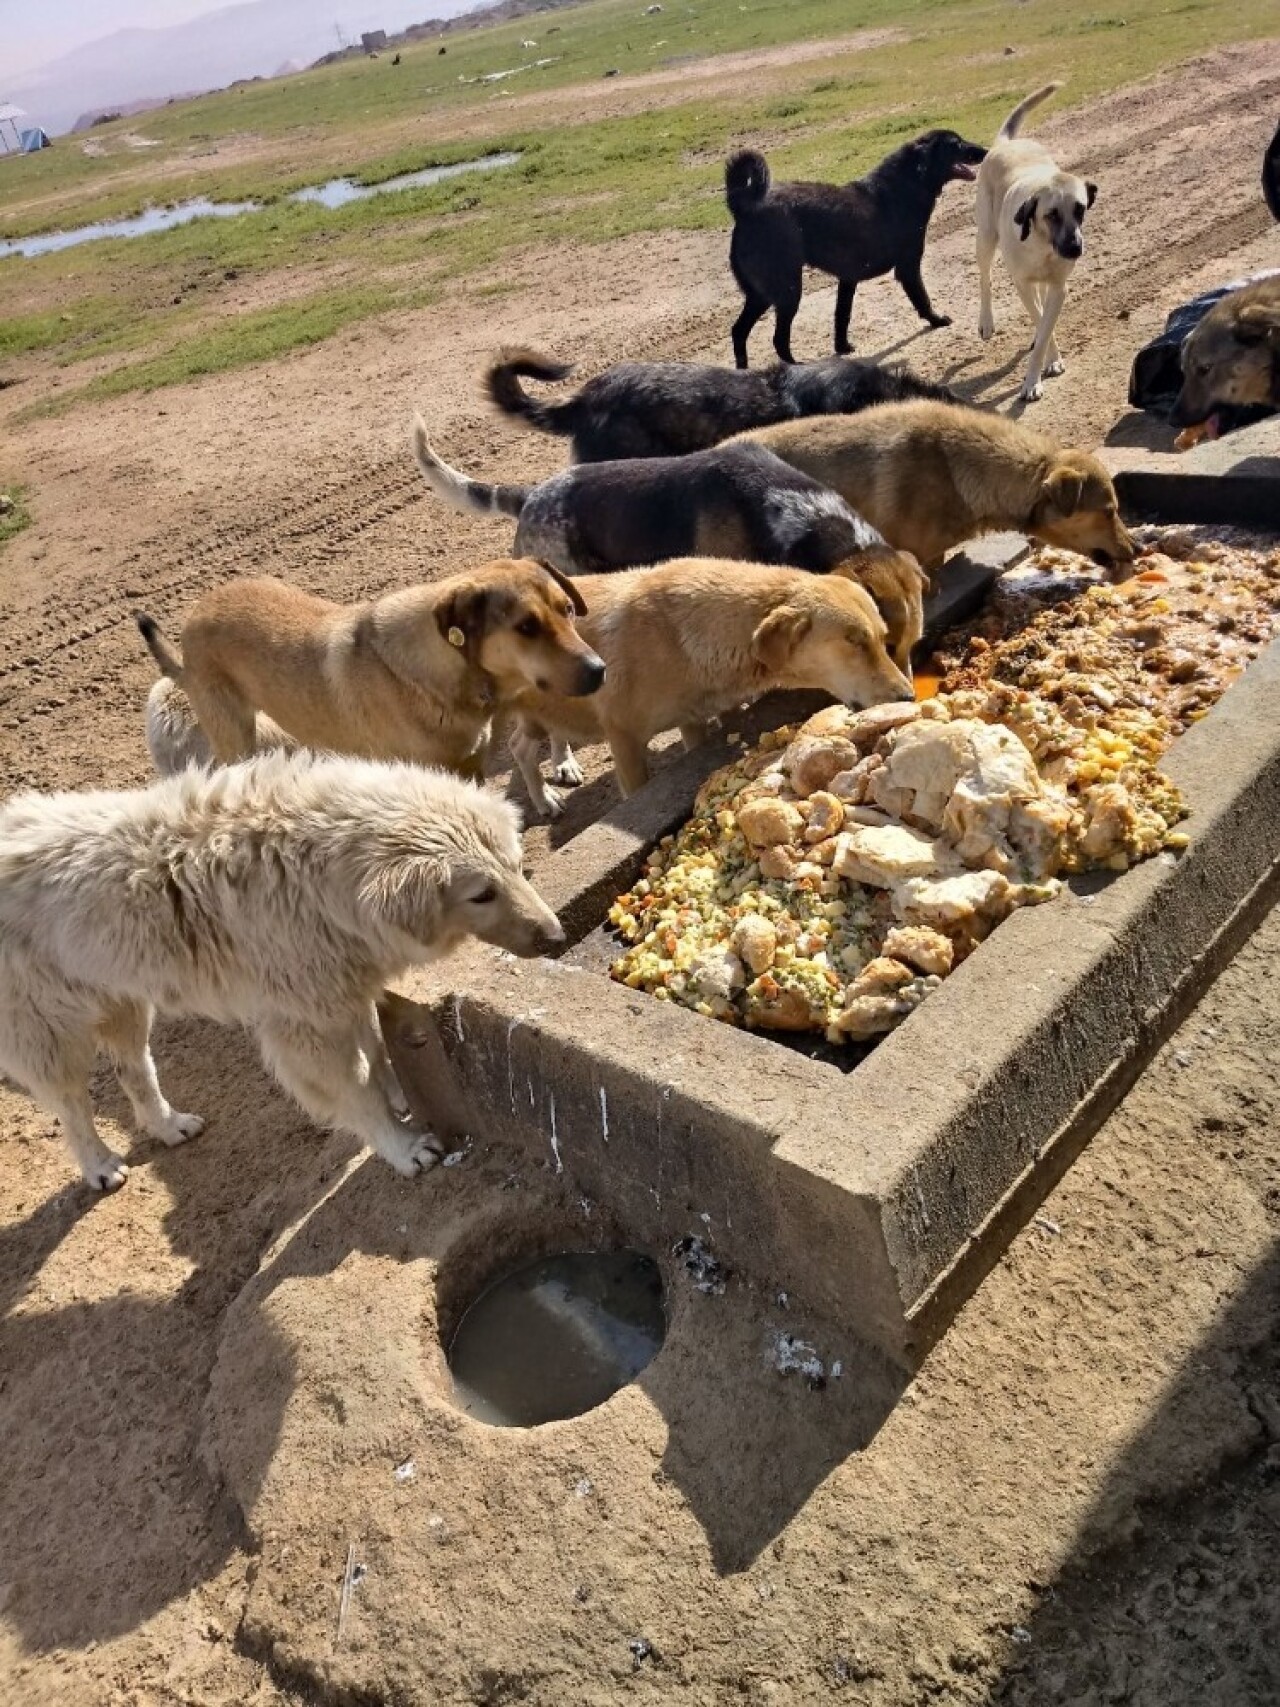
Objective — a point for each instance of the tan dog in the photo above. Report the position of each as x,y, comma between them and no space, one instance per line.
1232,358
283,895
416,675
931,475
695,637
1032,212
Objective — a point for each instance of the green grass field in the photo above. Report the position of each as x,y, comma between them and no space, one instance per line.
14,514
161,309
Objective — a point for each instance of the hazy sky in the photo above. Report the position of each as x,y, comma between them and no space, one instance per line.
32,31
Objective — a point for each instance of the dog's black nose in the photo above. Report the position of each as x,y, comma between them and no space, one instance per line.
593,674
1072,248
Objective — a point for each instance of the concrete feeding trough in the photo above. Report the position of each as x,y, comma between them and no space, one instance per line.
878,1195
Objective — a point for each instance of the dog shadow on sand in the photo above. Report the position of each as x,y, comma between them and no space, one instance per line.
109,1512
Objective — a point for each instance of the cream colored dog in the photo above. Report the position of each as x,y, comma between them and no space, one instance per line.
1032,212
282,894
417,674
690,639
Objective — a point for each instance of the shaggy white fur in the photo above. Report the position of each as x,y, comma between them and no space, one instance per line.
283,894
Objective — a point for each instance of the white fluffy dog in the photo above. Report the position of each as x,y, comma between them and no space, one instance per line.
1032,211
283,894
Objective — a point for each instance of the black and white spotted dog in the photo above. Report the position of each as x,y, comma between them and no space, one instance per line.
736,500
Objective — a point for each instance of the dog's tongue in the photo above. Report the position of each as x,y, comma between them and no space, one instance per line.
1213,426
959,170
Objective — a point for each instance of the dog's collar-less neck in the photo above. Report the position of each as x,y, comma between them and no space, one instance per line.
477,687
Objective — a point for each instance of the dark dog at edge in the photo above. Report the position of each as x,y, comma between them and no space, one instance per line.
856,231
672,408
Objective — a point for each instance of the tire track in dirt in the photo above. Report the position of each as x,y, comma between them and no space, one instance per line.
325,520
54,670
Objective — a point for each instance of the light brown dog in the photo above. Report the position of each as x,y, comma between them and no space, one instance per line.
930,476
415,675
695,637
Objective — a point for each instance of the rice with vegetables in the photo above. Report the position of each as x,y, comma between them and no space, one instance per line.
830,878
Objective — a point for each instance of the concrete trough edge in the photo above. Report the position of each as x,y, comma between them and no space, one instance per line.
882,1195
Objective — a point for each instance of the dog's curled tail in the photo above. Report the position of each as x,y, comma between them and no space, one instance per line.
502,384
159,648
459,489
746,181
1011,126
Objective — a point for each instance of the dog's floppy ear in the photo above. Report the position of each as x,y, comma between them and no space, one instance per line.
1025,216
576,598
1258,323
463,617
408,893
1090,192
1064,489
778,636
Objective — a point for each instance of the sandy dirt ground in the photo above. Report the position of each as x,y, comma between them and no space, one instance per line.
1078,1499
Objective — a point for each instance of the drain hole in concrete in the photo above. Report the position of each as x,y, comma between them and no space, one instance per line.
558,1337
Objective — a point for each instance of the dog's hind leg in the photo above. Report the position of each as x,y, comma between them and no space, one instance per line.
986,314
694,735
844,313
229,723
331,1074
785,310
54,1065
125,1034
753,310
908,276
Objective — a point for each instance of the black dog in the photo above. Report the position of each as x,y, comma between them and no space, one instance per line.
857,231
1271,175
736,500
672,408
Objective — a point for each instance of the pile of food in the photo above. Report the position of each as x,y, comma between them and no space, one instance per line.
836,873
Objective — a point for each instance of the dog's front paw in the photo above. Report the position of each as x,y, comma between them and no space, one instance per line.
415,1153
1055,368
552,804
936,320
569,772
986,327
179,1127
1031,393
107,1173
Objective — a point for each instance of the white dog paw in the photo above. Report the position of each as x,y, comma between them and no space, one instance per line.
552,804
108,1173
986,327
1032,393
179,1127
419,1152
1055,368
569,773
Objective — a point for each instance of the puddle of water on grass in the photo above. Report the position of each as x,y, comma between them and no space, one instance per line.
338,192
558,1337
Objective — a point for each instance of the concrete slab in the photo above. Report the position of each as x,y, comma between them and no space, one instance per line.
878,1194
1235,479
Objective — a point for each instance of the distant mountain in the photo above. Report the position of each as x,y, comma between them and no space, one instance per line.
207,52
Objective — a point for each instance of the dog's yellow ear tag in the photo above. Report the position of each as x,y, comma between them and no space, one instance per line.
456,637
